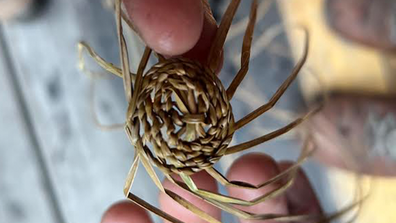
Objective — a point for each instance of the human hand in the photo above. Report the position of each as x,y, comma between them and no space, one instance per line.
254,168
356,129
174,27
186,27
364,21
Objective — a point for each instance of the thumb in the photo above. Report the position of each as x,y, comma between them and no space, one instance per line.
174,27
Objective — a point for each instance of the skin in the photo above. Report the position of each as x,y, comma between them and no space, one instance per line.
300,199
364,21
181,22
174,27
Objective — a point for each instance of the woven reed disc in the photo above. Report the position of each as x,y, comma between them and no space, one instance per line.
183,118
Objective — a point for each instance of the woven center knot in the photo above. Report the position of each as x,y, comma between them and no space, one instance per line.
183,117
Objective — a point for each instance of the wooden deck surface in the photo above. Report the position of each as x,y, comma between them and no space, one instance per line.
55,164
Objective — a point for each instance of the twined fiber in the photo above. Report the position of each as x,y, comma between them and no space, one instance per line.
183,119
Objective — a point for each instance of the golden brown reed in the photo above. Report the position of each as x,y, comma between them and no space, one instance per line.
180,120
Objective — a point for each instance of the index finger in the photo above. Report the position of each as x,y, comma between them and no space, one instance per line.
174,27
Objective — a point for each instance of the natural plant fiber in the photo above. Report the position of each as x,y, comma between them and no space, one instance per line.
179,119
183,114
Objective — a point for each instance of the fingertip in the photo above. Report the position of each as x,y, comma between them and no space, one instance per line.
301,196
170,27
256,168
203,181
252,166
125,212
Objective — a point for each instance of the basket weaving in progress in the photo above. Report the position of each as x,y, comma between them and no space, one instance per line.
179,120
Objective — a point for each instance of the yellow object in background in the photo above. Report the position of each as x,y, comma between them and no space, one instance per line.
380,205
343,66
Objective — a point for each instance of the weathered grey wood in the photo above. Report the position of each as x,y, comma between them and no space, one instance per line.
24,197
87,166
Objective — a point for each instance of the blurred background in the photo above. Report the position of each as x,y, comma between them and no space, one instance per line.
56,165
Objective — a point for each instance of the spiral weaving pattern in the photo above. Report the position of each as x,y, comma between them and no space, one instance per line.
183,117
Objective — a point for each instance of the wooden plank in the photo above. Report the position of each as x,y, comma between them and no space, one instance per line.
24,193
86,166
